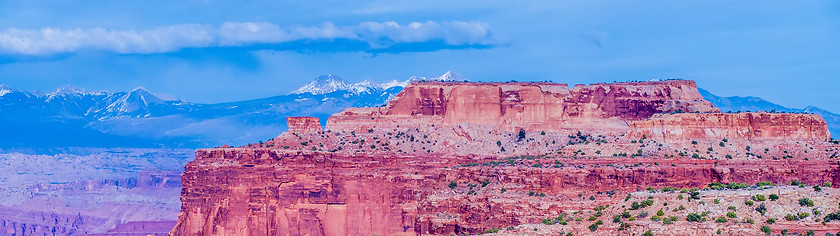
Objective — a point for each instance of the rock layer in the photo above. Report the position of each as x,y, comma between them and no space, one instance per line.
718,126
533,106
270,192
434,159
303,125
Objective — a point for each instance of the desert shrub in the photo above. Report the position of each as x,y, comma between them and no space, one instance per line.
693,217
761,209
806,202
765,229
832,216
453,184
731,214
774,197
721,220
803,215
594,227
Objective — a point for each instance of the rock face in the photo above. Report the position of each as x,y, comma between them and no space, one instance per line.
434,160
269,192
533,106
717,126
303,125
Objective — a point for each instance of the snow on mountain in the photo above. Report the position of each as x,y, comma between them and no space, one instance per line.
324,84
449,76
5,89
70,90
330,83
137,103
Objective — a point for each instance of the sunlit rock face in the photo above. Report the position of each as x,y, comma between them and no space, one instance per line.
455,157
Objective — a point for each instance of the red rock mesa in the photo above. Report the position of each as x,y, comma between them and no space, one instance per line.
444,158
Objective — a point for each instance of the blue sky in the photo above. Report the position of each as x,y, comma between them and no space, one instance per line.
225,50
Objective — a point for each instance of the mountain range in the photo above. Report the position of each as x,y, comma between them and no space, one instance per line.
72,116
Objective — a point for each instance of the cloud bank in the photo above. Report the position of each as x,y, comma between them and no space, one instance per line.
367,36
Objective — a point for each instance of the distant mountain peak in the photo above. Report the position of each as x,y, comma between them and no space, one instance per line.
5,89
449,76
332,83
69,90
323,84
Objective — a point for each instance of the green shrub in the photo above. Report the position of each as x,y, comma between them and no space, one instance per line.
731,214
771,221
693,217
774,197
790,217
803,215
594,227
548,221
765,229
806,202
749,203
832,216
452,184
761,209
721,220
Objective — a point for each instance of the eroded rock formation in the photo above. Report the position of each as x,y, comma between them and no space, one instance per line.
718,126
533,106
303,125
447,158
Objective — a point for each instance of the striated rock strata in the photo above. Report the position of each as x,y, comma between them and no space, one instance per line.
533,106
444,158
718,126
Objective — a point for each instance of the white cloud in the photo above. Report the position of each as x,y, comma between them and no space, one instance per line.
48,41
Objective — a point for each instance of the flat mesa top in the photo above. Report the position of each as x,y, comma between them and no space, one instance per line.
451,83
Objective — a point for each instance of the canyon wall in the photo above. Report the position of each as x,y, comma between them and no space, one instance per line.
718,126
415,165
533,106
302,125
269,192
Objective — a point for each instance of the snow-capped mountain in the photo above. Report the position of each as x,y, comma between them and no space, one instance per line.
323,84
70,90
72,116
449,76
136,103
5,89
77,117
331,83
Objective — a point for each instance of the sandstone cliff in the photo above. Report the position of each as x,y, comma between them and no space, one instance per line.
445,158
533,106
718,126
